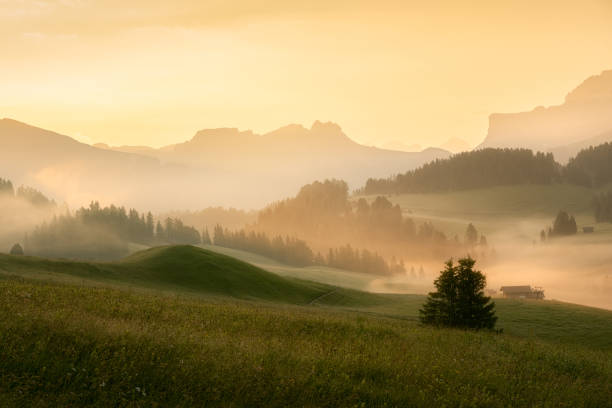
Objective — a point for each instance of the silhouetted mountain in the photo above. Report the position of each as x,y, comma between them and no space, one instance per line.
290,156
216,167
564,129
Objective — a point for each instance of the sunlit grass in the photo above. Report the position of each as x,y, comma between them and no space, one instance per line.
65,345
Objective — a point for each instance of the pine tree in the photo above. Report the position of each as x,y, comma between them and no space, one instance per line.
471,235
459,299
206,237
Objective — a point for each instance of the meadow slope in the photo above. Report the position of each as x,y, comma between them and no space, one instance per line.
182,326
65,345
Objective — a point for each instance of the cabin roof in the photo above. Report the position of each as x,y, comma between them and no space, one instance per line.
516,289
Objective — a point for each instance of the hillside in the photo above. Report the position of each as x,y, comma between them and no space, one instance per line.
76,173
563,129
68,345
204,275
176,268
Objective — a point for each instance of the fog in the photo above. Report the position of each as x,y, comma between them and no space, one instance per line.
574,269
18,217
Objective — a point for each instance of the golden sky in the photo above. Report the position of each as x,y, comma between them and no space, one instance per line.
154,72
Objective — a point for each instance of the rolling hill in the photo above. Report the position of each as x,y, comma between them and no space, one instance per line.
178,268
77,342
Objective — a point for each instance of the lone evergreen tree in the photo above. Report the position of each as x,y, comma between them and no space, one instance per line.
564,225
459,299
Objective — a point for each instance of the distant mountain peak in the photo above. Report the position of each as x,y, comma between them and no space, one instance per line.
585,114
326,127
595,89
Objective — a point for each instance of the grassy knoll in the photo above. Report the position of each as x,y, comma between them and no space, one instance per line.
64,345
176,268
201,274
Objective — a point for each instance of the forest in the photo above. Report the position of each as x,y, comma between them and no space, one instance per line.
322,213
592,167
27,194
468,170
490,167
97,232
296,252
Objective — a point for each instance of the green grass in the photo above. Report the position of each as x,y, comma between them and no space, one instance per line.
69,346
187,270
178,268
317,273
183,326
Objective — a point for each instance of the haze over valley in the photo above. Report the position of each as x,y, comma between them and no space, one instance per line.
332,204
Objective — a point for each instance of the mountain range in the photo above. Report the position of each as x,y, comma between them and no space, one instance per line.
584,119
216,167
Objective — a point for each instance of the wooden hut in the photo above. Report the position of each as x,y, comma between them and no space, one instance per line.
522,292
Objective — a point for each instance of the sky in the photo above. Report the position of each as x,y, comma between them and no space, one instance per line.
154,72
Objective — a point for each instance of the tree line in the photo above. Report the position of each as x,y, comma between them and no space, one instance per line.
97,232
294,251
322,213
28,194
591,167
469,170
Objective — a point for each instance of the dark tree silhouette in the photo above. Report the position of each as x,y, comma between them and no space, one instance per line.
475,169
564,225
471,235
590,167
6,188
16,250
459,299
294,251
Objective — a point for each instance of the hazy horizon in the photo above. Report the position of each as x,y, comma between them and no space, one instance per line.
153,74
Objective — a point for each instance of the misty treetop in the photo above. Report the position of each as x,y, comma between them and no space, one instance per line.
322,213
591,167
6,187
289,250
468,170
27,194
563,225
293,251
97,232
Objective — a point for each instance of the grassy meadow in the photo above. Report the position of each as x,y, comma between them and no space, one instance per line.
151,331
